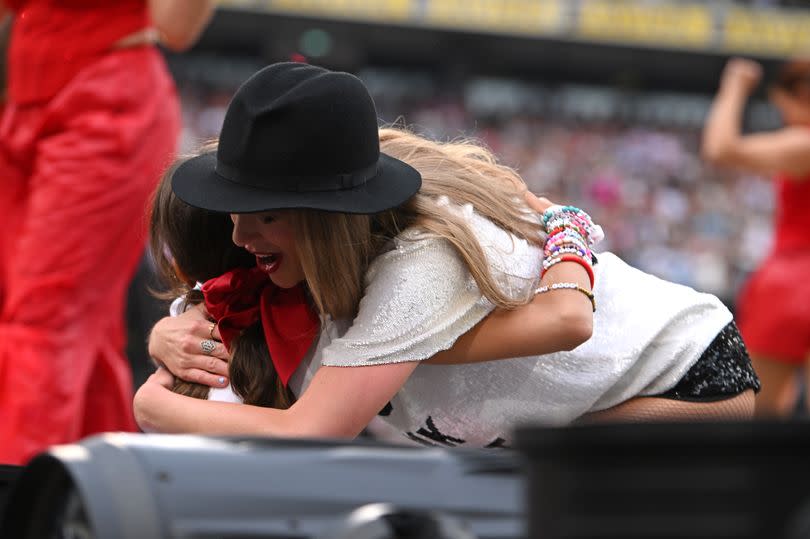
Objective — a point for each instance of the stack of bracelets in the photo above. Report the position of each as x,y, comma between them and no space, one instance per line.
571,233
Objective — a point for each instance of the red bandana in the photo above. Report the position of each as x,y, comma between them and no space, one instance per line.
242,296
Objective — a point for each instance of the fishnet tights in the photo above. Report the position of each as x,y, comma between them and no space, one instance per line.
649,409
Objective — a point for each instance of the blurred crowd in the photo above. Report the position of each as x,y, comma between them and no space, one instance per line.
663,209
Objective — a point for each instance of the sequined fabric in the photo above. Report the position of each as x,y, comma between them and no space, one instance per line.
420,297
723,370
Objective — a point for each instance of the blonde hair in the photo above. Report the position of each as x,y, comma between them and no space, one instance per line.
335,249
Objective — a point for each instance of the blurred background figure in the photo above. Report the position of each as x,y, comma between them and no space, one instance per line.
774,305
91,120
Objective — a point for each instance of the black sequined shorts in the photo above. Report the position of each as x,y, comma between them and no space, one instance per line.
722,371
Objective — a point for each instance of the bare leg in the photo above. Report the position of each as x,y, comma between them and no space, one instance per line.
806,376
779,392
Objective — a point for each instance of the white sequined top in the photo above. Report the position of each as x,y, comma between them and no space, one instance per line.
420,298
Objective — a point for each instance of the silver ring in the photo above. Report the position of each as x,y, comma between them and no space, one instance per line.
207,346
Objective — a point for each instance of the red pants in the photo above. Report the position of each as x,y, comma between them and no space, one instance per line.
77,173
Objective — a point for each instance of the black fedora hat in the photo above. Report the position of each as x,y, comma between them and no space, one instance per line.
297,136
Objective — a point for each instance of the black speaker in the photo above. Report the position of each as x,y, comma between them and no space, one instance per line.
156,486
741,480
8,474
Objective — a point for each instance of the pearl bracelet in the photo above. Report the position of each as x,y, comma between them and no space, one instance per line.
568,286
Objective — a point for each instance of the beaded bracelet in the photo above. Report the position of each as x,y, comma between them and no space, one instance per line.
556,216
566,238
573,211
561,249
582,262
561,226
586,231
548,262
547,265
568,286
562,238
557,252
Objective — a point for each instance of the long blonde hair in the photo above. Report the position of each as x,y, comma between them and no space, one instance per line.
335,249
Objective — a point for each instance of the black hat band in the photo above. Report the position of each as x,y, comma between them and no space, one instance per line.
298,184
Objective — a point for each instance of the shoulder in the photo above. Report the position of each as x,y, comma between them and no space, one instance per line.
415,280
416,255
419,298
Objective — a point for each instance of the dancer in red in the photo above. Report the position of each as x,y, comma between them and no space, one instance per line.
91,120
774,306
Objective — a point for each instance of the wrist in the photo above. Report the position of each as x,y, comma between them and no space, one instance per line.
578,260
154,337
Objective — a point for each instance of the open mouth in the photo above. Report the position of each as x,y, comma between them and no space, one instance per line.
269,262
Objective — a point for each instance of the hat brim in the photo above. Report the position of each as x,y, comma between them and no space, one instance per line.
197,183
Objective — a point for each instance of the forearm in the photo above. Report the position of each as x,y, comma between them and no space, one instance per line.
157,409
552,322
723,129
180,22
339,403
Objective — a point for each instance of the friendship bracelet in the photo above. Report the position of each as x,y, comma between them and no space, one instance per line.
566,243
557,210
582,219
582,262
555,257
560,225
571,216
548,263
568,286
587,231
560,249
556,252
562,237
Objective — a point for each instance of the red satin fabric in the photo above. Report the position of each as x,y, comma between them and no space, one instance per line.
243,296
55,39
77,173
773,307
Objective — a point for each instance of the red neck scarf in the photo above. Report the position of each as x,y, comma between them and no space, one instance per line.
241,297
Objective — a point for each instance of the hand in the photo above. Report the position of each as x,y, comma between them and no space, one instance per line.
538,204
175,342
741,73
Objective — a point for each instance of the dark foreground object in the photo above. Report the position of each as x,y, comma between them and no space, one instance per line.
668,481
156,486
8,474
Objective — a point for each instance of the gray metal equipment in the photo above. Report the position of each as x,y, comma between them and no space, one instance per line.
384,521
163,486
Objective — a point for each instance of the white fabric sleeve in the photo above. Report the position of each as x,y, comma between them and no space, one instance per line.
419,298
178,306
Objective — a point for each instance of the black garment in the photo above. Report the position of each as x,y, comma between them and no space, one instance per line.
722,371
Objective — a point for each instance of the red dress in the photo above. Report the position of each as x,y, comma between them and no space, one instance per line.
86,132
774,305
